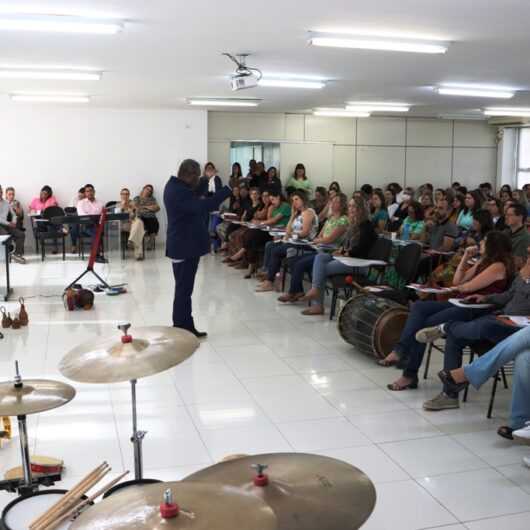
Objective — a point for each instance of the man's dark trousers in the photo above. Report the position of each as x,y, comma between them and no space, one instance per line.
184,273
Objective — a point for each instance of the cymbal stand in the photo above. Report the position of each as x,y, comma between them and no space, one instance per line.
137,436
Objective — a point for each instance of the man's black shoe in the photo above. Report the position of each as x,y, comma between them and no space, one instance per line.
101,259
199,334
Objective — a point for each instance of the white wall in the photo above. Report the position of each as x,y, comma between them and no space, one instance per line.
110,148
377,150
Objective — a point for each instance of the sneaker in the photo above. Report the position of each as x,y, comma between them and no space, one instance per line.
526,461
18,258
442,402
523,435
431,334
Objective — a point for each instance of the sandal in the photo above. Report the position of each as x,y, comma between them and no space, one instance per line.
387,364
288,297
505,432
452,386
398,388
314,310
264,289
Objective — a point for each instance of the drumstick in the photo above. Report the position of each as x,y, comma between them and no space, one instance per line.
72,500
359,287
68,496
73,492
85,502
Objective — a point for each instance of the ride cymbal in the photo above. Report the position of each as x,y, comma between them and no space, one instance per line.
306,492
149,351
33,396
202,507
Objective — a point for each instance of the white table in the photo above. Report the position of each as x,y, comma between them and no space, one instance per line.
5,240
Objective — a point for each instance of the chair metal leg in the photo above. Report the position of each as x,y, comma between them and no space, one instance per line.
504,381
64,248
42,245
493,392
333,303
427,361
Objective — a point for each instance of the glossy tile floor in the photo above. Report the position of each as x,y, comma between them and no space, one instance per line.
266,380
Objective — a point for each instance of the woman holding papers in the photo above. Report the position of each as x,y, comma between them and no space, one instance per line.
331,236
358,241
492,273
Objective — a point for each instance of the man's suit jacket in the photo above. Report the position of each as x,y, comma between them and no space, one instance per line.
187,232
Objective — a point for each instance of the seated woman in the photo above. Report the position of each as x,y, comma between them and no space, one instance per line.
43,201
16,207
390,203
358,241
378,211
472,203
146,209
303,224
492,273
299,181
133,229
260,215
413,225
278,214
332,234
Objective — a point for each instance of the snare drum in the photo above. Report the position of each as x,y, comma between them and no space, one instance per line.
373,325
18,514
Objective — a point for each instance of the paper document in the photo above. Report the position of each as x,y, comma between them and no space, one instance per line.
430,290
459,303
376,289
520,321
359,262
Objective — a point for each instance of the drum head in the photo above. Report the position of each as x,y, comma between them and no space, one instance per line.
388,330
20,513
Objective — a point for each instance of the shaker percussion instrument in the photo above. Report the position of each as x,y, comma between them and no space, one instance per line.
116,359
179,505
305,491
372,324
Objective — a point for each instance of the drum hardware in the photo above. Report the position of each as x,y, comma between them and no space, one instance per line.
372,324
305,491
20,398
179,505
112,360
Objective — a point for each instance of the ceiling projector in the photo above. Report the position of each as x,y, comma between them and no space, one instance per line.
244,76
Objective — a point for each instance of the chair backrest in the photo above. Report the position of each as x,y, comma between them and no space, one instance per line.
381,249
52,211
407,262
111,204
70,210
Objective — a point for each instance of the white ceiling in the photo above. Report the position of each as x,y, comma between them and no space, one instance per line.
170,50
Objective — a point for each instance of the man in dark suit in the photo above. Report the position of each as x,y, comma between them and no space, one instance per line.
187,236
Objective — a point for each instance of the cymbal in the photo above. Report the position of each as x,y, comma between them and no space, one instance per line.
306,492
203,507
35,395
152,350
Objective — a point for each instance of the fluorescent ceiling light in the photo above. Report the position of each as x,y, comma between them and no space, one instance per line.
55,74
461,116
377,42
523,112
50,98
60,24
376,107
291,83
205,102
340,113
478,91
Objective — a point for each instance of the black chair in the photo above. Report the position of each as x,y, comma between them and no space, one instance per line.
46,231
111,204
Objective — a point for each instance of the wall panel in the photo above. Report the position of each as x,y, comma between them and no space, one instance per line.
317,159
333,130
380,165
474,165
429,133
474,134
381,131
244,125
428,164
344,167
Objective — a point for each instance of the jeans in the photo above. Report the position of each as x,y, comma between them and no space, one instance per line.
425,314
267,254
325,265
278,251
462,334
514,348
299,266
184,273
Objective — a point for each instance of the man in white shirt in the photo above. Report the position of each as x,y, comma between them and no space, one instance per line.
87,206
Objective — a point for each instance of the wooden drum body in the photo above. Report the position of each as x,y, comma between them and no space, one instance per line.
372,325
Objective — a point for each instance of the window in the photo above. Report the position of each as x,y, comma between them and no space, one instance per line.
523,158
243,152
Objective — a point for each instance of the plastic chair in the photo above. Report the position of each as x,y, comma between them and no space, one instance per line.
47,231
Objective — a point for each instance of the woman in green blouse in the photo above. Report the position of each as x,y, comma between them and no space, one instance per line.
299,181
379,213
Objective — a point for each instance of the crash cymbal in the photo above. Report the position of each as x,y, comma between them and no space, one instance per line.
35,395
202,507
306,492
151,350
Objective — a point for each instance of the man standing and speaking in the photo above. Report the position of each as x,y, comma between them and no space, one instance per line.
187,236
